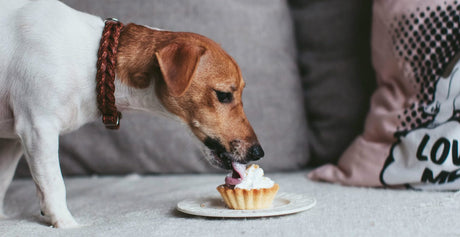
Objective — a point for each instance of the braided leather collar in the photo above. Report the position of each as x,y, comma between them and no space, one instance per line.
105,76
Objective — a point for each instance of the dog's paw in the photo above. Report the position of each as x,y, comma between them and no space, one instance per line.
65,223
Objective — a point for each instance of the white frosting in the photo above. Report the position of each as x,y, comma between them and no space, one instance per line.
254,179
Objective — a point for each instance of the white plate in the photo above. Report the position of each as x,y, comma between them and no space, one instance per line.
214,206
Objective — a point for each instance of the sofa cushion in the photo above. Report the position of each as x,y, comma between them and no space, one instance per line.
139,206
258,34
333,39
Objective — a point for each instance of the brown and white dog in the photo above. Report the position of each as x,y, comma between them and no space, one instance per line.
48,60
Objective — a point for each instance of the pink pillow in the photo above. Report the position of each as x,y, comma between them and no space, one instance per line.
412,132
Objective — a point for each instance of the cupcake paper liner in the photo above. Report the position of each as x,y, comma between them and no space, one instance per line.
243,199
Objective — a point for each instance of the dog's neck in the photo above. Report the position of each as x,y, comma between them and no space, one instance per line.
128,98
137,70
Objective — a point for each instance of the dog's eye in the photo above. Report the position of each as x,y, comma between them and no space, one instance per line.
224,97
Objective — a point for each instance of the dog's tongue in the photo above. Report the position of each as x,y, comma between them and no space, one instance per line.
237,174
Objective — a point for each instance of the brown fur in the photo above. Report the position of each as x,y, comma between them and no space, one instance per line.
187,68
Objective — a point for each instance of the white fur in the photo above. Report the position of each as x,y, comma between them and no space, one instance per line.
47,87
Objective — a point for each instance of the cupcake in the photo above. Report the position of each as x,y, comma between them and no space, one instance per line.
248,188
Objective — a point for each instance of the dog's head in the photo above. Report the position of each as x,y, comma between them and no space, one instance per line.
200,83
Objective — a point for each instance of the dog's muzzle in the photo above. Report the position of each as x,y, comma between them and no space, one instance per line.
225,159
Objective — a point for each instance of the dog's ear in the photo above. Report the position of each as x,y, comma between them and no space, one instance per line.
178,63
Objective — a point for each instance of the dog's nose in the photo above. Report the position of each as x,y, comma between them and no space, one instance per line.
255,152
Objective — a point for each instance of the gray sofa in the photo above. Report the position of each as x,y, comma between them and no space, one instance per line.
309,77
302,111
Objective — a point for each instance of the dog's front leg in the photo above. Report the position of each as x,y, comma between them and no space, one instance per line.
41,141
10,153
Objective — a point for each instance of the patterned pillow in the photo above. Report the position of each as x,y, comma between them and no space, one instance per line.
412,131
